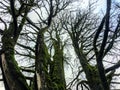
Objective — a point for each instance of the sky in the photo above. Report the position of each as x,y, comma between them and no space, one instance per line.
100,6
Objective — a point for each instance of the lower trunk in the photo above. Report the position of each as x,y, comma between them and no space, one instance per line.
102,75
57,77
57,68
91,72
4,79
41,63
14,78
93,77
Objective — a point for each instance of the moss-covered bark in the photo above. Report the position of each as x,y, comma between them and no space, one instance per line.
15,80
13,76
50,74
58,71
42,58
93,78
91,72
57,67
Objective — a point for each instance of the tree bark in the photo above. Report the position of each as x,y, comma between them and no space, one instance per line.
57,68
14,78
41,63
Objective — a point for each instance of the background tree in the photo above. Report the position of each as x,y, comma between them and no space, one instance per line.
10,70
89,42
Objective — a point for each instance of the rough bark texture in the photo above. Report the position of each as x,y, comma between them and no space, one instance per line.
13,76
42,58
57,68
91,72
14,79
52,78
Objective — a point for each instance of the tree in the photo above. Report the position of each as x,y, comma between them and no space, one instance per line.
42,60
90,44
11,71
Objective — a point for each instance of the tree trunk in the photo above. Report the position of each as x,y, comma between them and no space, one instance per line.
41,63
14,78
91,72
57,68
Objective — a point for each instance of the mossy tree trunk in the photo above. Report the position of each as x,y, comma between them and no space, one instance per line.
57,66
12,74
49,73
14,79
91,72
42,58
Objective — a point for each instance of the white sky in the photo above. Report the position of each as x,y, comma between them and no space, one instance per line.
99,6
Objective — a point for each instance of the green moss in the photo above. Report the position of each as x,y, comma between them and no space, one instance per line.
14,70
93,78
58,68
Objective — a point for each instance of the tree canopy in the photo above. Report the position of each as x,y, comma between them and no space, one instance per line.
59,45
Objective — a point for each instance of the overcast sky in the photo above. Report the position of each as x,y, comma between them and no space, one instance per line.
99,6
